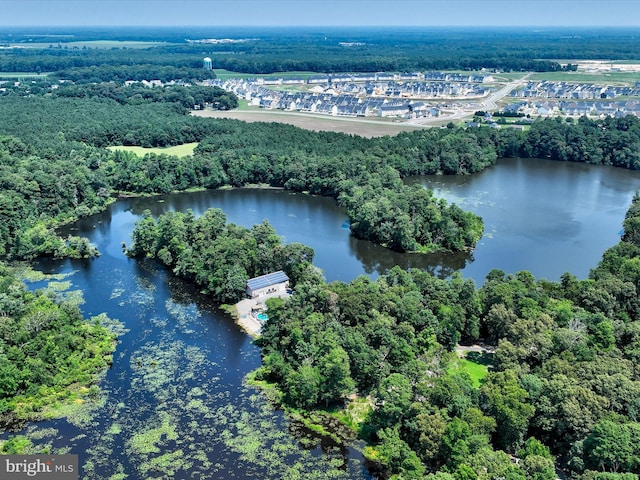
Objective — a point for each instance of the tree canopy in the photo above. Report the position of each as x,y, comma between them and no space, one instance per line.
563,380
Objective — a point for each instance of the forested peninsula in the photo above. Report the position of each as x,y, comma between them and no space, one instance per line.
50,356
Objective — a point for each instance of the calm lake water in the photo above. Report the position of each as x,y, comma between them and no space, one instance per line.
174,403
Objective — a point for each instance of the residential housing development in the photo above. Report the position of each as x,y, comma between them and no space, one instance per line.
379,94
575,91
589,108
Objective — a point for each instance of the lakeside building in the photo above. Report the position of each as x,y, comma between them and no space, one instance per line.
269,284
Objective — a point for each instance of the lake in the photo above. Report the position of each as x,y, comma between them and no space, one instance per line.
174,404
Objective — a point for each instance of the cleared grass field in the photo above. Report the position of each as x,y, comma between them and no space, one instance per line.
90,44
183,150
17,75
353,126
475,364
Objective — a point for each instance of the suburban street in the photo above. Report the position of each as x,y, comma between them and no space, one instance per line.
491,103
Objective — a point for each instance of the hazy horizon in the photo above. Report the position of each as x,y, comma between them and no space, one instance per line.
316,13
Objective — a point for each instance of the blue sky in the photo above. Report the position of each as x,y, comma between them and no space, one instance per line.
321,12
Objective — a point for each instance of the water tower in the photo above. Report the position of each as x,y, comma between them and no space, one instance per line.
207,63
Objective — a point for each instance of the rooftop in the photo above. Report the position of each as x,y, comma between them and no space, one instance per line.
267,280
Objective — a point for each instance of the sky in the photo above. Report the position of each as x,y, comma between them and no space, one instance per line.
625,13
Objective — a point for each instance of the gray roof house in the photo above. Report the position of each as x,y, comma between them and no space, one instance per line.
269,284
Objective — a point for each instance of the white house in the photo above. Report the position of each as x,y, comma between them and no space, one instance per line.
276,282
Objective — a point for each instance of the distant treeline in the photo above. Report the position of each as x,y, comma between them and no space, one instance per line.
354,50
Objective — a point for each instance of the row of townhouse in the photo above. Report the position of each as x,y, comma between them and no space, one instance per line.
345,105
576,91
424,89
601,109
577,109
325,102
374,77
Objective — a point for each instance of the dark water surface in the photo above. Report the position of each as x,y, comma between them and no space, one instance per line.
174,403
544,216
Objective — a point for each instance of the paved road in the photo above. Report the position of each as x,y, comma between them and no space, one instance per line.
491,103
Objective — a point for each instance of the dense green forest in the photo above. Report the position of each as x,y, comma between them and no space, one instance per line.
264,50
49,354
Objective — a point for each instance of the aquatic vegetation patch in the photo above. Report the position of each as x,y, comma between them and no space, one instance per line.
140,298
182,314
116,293
75,297
160,369
113,325
166,465
26,273
115,429
258,436
42,433
149,441
59,286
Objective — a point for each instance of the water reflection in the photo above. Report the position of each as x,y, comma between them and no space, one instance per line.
540,215
377,261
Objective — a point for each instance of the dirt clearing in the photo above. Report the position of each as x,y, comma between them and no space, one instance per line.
353,126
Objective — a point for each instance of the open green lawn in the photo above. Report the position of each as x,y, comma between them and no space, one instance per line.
244,105
475,364
223,74
624,78
18,75
179,150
